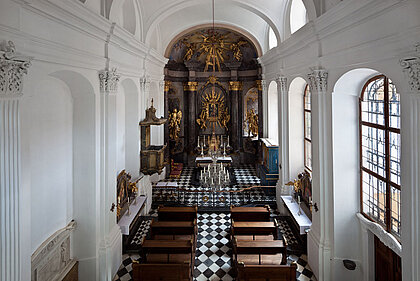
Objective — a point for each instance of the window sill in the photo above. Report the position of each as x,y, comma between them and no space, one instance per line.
387,238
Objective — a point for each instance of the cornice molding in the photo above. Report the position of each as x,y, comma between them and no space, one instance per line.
108,81
411,68
318,80
13,66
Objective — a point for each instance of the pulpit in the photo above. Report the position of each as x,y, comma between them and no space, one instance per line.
152,156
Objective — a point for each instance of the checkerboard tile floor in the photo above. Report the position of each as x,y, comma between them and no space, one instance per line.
213,260
245,177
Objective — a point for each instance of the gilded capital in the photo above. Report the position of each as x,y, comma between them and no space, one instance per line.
318,80
411,68
235,86
259,85
108,81
191,86
13,66
167,86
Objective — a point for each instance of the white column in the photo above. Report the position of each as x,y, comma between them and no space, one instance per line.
110,241
410,168
320,236
283,123
265,108
12,68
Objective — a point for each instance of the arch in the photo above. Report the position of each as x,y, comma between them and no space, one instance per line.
84,165
248,35
296,123
273,112
271,38
46,120
128,14
310,12
131,127
176,6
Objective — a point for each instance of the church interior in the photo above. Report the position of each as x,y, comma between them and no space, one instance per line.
209,140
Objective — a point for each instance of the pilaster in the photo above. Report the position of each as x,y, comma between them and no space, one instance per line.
13,67
110,244
410,167
190,90
319,253
144,95
235,88
283,131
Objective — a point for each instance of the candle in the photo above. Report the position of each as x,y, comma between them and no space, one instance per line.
119,200
228,140
298,199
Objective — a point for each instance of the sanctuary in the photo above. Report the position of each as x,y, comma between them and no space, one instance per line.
209,140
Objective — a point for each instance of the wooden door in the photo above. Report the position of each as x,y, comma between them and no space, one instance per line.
387,263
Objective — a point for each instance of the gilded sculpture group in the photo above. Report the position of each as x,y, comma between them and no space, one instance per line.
175,124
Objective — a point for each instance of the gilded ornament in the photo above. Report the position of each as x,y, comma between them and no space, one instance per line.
167,86
213,110
235,85
175,124
191,86
259,85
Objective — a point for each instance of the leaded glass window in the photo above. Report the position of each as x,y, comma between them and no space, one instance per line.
380,153
307,124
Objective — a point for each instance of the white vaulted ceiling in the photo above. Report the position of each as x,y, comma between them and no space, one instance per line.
163,20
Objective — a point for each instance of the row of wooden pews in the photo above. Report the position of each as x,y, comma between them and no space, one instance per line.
257,252
169,254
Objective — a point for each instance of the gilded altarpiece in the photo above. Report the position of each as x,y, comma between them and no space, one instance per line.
210,91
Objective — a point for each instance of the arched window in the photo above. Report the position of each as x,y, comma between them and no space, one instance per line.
298,15
307,125
380,153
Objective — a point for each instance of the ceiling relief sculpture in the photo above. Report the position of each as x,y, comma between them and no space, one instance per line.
208,50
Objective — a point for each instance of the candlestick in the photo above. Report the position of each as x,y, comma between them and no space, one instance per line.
228,140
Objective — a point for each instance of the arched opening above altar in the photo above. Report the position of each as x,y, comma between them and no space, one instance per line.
213,94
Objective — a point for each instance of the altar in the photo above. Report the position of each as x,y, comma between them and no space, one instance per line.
202,161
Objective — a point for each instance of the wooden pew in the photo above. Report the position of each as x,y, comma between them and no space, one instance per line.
250,213
177,213
266,272
254,229
161,253
260,252
159,272
174,230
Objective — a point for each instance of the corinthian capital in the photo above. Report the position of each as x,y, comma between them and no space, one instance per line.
282,84
12,68
411,68
318,80
108,81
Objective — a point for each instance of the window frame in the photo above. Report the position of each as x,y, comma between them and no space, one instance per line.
305,139
387,179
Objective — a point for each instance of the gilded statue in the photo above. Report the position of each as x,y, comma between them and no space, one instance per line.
235,47
189,50
252,120
175,124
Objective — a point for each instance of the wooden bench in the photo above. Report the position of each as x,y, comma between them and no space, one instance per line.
166,252
159,272
250,213
174,230
254,230
260,252
177,213
266,272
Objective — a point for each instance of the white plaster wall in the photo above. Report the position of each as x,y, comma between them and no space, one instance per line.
273,112
48,114
121,138
296,151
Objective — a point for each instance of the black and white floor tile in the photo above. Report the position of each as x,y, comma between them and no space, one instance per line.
141,232
213,258
245,177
